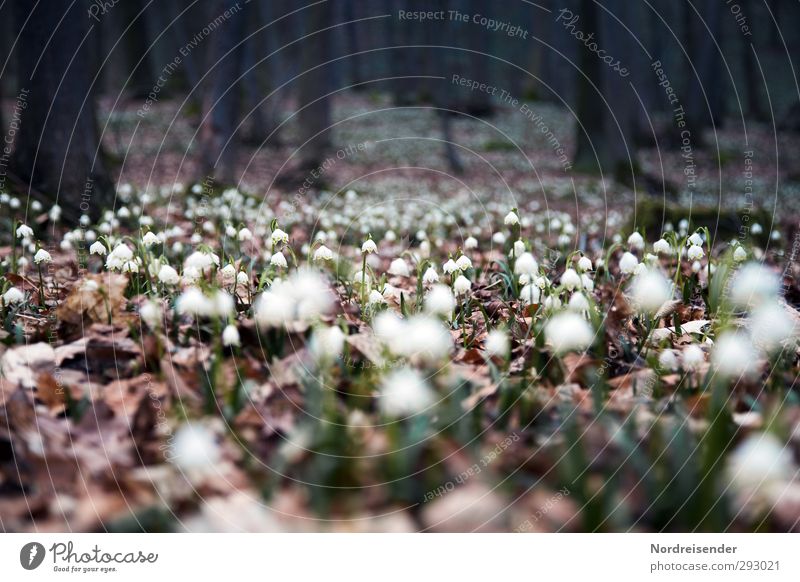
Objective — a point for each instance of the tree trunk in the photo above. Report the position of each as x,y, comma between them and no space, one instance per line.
314,116
221,111
58,153
605,109
704,98
353,33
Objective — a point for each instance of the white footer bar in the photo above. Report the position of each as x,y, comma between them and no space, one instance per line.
389,557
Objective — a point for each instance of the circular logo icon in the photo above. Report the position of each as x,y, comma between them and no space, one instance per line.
31,555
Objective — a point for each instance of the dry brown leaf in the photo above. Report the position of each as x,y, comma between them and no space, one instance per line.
97,298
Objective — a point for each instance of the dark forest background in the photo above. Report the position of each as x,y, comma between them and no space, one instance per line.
242,65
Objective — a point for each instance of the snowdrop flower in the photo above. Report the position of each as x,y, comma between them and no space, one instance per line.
42,256
123,212
519,248
230,231
450,267
425,249
98,248
228,273
387,326
150,313
695,253
193,302
571,280
771,325
530,294
696,266
55,213
462,285
422,338
525,265
568,332
759,469
585,263
430,276
695,240
360,277
13,296
734,356
650,291
578,303
399,268
471,243
499,238
195,449
628,263
375,297
440,301
36,206
24,231
404,392
753,285
90,286
756,229
326,343
278,236
278,260
168,276
692,358
121,258
223,304
497,343
636,241
65,245
242,279
369,247
739,254
662,247
273,309
245,234
201,261
323,253
149,239
311,293
463,263
588,284
511,219
668,361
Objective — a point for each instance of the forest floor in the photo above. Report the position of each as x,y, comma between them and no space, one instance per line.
512,349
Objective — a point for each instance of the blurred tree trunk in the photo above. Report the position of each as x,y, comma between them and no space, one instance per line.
605,105
255,75
443,95
353,34
314,116
57,151
400,56
141,62
221,110
704,97
756,106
